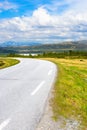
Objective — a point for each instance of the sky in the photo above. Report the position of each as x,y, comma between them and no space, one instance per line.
44,21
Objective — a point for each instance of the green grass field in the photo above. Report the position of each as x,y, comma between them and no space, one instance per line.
70,90
6,62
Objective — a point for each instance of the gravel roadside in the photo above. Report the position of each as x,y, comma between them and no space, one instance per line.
47,123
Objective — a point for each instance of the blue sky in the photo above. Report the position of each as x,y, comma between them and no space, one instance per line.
17,8
43,20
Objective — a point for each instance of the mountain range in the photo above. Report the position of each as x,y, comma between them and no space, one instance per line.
13,43
15,47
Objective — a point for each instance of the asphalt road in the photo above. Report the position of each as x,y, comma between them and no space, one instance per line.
24,89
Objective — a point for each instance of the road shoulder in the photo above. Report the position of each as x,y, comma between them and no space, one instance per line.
47,122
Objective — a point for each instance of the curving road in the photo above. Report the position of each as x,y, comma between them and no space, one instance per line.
24,89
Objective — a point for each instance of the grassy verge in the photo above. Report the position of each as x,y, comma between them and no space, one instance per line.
70,91
6,62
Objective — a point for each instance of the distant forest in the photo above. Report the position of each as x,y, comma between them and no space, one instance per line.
65,54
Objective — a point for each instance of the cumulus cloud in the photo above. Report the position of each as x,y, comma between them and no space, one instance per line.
45,27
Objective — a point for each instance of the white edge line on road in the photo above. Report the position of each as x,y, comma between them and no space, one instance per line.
38,87
50,72
4,123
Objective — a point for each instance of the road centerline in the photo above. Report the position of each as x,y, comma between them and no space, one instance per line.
24,93
38,87
4,123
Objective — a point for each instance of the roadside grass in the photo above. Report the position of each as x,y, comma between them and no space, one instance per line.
6,62
70,90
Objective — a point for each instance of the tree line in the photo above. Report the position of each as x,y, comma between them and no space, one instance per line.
65,54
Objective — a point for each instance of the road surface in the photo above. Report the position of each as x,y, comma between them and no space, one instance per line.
24,89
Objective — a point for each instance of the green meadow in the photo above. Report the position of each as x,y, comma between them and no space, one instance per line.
6,62
70,90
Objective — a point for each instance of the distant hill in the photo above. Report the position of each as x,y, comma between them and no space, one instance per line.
13,44
19,44
40,48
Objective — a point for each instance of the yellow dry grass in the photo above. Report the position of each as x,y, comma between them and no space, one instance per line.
70,90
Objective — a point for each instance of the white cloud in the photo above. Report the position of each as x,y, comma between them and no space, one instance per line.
44,27
41,16
5,5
